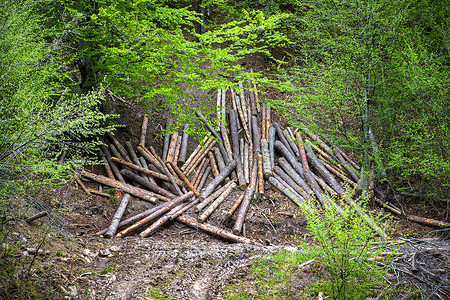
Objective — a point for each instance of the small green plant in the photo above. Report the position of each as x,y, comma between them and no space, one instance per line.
343,249
157,294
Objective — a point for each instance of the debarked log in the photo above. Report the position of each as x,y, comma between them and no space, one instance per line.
267,165
213,230
118,216
285,189
127,188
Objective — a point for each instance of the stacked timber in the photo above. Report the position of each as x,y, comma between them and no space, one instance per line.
242,155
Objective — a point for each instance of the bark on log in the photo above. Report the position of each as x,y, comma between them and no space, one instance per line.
326,175
259,161
165,208
212,162
212,207
220,161
183,177
291,140
213,230
256,135
318,141
286,166
285,189
263,123
266,158
320,151
268,121
177,150
302,151
36,216
216,181
282,138
172,178
279,172
166,139
144,170
117,216
248,196
108,169
200,156
236,205
143,130
202,181
252,97
246,166
183,147
213,196
240,112
145,166
97,192
172,148
194,154
223,131
201,169
133,156
83,187
161,193
150,157
119,147
354,164
324,185
235,142
347,166
271,140
289,157
339,174
135,191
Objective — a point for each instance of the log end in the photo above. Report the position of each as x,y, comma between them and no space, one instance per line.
242,186
236,231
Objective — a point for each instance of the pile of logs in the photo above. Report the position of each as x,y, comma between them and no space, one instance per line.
244,152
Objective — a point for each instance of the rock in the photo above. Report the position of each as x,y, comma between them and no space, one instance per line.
114,248
88,252
104,253
34,251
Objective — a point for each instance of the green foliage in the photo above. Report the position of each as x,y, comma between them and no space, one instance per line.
380,64
343,249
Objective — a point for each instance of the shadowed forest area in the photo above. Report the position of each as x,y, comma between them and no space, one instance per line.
370,79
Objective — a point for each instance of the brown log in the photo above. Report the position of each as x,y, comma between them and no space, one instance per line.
166,139
279,172
183,209
213,230
267,167
339,174
194,154
250,126
202,181
286,166
259,160
212,162
145,166
220,161
108,169
83,187
236,205
324,185
351,171
213,196
243,208
183,177
209,127
320,151
183,147
200,157
132,153
216,181
119,147
302,151
172,178
268,121
36,216
97,192
354,164
223,131
135,191
161,193
144,170
143,130
201,169
150,157
290,139
289,157
282,138
117,216
165,208
113,166
177,150
143,214
115,152
212,207
326,175
285,189
318,141
172,147
235,142
252,97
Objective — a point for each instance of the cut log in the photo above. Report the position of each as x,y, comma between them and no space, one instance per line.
36,216
286,166
132,153
172,178
271,140
324,185
166,138
235,142
113,166
212,162
150,157
200,156
236,205
283,139
97,192
289,157
285,189
278,172
248,196
143,130
118,216
220,161
318,141
183,177
246,166
339,174
83,187
135,191
256,135
291,140
201,169
119,147
326,175
213,206
172,147
216,181
108,169
183,147
161,193
320,151
266,158
260,181
252,97
268,121
302,151
194,154
144,170
213,196
202,181
145,166
351,171
177,149
165,208
213,230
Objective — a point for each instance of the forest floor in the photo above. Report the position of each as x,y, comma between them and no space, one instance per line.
177,262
